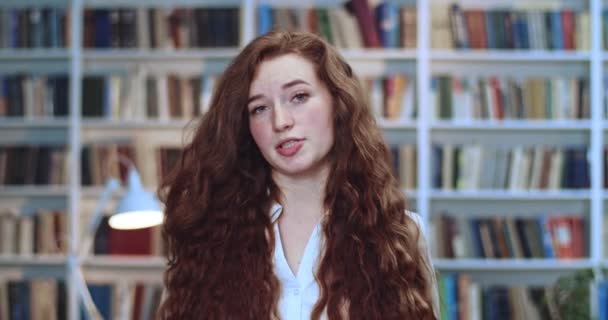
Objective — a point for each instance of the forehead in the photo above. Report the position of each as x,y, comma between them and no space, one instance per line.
276,71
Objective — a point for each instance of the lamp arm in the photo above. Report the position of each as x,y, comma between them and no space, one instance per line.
85,294
89,235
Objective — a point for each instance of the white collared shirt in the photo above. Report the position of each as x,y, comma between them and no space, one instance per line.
300,292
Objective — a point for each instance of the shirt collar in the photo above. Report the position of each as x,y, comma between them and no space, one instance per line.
275,212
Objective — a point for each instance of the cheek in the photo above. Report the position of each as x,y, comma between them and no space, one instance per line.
259,133
322,120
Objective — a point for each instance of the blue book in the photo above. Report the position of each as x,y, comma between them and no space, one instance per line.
387,19
546,237
102,297
523,31
14,28
490,30
476,237
451,296
102,28
557,34
264,18
601,295
520,31
19,299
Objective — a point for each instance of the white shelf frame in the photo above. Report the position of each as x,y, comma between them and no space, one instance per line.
75,60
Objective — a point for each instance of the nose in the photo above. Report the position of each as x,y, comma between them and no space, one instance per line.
282,118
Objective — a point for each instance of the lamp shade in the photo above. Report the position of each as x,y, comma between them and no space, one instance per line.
138,208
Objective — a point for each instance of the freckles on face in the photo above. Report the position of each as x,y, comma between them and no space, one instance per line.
290,114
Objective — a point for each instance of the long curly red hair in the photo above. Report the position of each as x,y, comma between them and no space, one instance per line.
218,228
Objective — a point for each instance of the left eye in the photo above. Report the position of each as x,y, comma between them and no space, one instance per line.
300,97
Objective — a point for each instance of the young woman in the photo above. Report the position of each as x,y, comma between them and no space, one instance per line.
283,206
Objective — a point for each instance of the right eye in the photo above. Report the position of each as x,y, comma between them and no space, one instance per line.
258,110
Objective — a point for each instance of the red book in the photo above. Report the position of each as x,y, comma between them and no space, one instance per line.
578,234
568,29
130,242
367,23
561,232
499,110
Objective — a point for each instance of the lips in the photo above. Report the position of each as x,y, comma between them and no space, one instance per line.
289,147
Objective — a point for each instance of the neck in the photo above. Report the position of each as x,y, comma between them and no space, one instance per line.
302,196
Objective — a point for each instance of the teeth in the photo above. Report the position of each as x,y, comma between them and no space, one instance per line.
288,144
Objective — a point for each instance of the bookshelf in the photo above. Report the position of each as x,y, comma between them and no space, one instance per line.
422,63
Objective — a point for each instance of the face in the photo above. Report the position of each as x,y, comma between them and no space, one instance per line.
290,115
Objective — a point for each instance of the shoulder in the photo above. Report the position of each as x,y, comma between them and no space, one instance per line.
417,218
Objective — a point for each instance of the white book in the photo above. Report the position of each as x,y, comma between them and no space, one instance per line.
8,228
489,162
4,299
476,166
187,97
43,297
560,98
536,167
27,87
114,83
556,171
408,106
26,235
139,94
515,167
142,17
336,29
475,306
377,98
488,92
459,106
407,166
582,29
127,96
207,93
532,30
526,167
161,18
162,91
348,26
39,96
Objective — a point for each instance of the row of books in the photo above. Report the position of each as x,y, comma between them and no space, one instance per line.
464,299
33,165
466,98
355,25
173,96
392,97
518,237
35,27
125,300
34,96
45,298
405,168
161,97
473,167
470,28
44,233
33,298
161,28
100,162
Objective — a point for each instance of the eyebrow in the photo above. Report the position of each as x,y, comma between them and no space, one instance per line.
285,86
